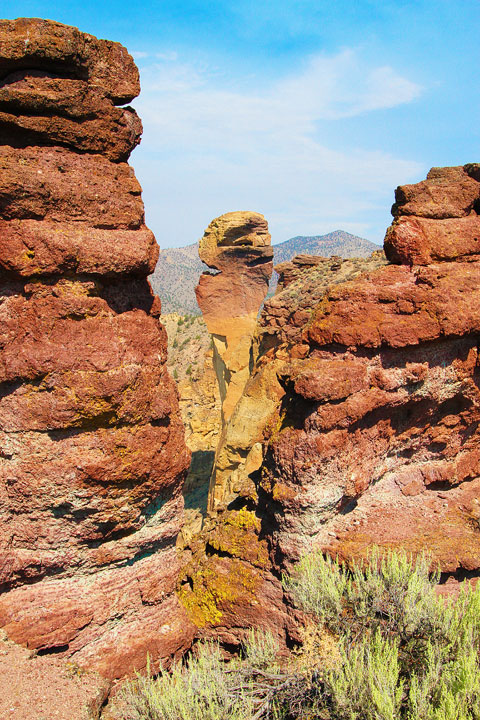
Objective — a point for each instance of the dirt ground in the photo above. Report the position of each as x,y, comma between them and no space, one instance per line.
46,687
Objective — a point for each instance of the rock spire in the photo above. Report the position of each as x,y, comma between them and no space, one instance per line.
91,442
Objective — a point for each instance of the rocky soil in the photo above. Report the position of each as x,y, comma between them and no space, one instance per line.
47,687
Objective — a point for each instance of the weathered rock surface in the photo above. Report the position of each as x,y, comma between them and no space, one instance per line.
190,359
36,108
238,246
228,586
92,453
302,283
359,423
49,46
32,248
59,86
39,183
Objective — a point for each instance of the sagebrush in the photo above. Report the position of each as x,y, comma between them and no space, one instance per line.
379,644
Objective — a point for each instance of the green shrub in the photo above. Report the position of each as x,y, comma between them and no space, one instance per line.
201,690
405,652
379,644
390,589
261,650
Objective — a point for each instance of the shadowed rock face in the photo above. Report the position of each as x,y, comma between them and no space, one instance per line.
92,454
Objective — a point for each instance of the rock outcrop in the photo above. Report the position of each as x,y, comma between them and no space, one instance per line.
363,404
237,245
228,585
91,441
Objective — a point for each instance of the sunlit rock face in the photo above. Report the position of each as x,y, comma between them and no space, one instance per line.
363,404
91,443
375,440
237,245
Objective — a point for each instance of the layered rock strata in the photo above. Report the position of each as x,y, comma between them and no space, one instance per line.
363,405
91,442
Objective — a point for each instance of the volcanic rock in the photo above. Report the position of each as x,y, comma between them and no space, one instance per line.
36,109
228,587
91,441
238,246
363,406
46,45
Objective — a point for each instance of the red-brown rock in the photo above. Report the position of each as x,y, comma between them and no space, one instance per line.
36,109
369,383
33,43
421,241
92,452
33,248
397,307
446,193
40,183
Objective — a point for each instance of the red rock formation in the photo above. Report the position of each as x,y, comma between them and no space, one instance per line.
91,442
377,435
364,402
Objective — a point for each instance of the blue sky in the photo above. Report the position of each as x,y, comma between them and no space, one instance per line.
310,112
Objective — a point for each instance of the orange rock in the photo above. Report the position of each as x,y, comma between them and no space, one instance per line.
56,184
238,245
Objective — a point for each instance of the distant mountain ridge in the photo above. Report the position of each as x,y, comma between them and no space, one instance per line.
178,269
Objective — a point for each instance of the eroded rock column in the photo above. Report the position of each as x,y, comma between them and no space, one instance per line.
237,245
91,442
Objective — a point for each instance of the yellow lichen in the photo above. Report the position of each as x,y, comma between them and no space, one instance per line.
213,589
282,492
237,534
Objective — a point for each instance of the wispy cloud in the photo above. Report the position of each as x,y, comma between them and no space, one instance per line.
215,148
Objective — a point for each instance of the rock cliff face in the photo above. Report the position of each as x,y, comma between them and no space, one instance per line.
228,585
359,423
91,442
190,359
